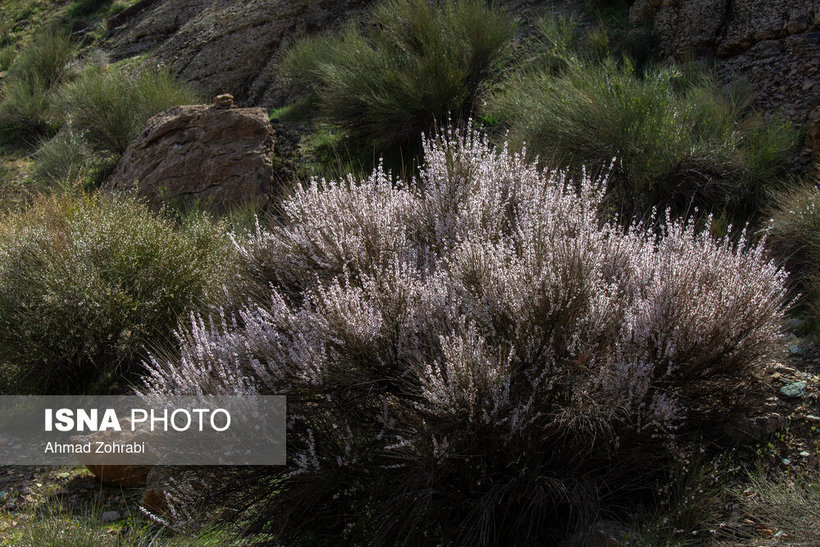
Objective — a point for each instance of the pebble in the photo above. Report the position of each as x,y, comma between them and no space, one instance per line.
786,461
793,390
110,516
804,454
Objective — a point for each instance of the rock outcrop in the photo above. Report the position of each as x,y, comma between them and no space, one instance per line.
223,46
773,44
215,156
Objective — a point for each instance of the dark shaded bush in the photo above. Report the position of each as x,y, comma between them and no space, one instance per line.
415,63
674,142
28,92
82,8
474,358
793,233
88,281
556,40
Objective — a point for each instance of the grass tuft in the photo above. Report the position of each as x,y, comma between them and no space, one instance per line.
27,96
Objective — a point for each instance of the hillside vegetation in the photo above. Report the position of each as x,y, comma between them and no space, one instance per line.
529,284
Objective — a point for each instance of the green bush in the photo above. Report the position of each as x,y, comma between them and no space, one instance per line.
7,55
109,107
556,40
117,7
65,158
417,63
81,8
28,90
89,281
671,141
794,228
794,236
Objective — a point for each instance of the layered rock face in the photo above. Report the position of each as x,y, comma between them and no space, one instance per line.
216,157
223,46
773,44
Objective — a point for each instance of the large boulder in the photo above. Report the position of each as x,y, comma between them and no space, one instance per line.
223,46
773,44
213,156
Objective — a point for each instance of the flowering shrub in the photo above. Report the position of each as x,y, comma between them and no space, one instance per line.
475,355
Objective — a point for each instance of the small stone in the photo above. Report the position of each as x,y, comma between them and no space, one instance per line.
812,418
808,84
786,461
110,516
804,454
793,390
794,349
223,101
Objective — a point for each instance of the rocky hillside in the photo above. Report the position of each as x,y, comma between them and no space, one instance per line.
231,46
222,46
